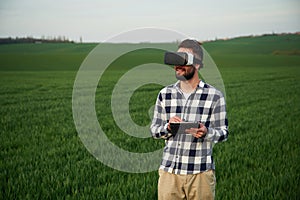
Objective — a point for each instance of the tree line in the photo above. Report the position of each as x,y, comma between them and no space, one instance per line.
59,39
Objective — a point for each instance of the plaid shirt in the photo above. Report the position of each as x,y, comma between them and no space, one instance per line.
183,153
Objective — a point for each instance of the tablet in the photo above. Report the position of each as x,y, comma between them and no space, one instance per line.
180,127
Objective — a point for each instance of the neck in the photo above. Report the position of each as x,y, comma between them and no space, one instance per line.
189,85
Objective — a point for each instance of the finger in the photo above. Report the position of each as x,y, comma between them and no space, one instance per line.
197,135
202,128
178,119
189,131
175,119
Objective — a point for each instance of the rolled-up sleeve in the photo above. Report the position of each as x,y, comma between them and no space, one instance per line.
158,126
218,129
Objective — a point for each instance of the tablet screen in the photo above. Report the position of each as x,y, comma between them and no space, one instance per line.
180,127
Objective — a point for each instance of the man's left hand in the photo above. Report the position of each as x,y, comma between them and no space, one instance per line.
197,132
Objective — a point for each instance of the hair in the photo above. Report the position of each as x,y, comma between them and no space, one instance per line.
196,48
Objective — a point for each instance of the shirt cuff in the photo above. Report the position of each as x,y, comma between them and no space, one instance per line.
168,134
166,127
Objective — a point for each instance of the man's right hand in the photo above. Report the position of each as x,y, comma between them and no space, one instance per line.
174,120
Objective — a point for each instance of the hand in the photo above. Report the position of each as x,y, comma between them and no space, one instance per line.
174,119
197,132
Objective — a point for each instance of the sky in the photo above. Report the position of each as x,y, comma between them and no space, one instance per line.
99,20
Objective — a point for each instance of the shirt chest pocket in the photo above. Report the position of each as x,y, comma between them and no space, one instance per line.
203,114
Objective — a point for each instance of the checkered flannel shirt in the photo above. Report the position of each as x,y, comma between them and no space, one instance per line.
183,153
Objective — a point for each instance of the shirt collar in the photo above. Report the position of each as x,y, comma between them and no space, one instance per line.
201,85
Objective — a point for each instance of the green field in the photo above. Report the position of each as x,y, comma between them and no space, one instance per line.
42,156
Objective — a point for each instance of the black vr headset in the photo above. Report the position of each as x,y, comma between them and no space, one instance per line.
181,59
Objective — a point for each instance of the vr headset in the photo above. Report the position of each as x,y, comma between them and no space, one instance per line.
181,59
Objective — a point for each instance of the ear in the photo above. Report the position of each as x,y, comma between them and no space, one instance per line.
197,66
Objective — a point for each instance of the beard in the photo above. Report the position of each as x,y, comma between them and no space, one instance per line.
187,76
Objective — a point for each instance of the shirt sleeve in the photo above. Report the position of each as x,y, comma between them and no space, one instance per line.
159,123
218,128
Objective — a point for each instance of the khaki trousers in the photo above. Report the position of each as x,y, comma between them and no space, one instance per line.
188,187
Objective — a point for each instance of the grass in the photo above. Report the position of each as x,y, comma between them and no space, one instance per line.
42,156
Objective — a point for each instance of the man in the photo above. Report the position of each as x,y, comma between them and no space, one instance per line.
187,168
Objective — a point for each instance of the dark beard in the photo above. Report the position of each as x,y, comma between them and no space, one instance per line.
187,76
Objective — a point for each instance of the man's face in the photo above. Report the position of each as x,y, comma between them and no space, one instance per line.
184,73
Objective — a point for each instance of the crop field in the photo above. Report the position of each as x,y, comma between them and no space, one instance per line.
42,156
